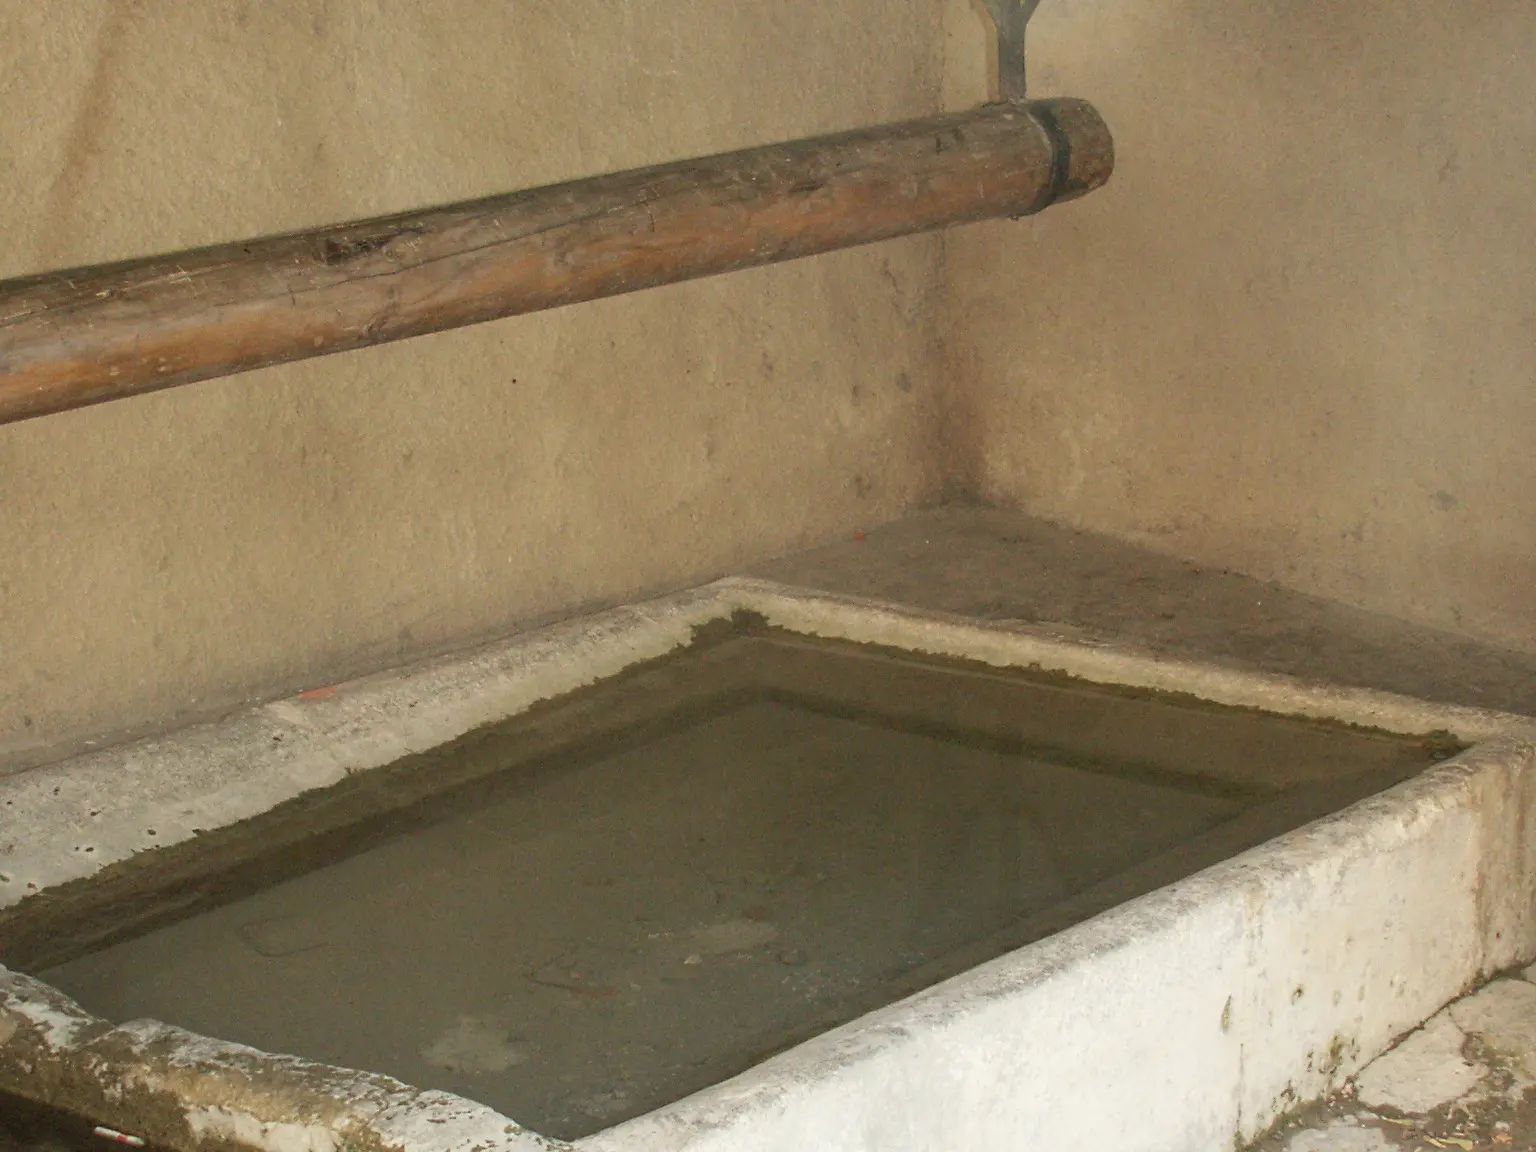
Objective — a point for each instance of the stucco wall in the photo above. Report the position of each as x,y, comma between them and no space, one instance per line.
1296,334
169,554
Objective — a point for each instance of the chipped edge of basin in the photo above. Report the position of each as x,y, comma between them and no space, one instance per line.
1192,1015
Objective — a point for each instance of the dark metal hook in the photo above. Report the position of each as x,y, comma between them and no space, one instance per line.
1010,18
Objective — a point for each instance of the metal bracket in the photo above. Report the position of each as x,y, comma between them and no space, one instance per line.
1010,17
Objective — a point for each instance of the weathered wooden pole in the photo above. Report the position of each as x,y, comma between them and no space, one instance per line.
83,336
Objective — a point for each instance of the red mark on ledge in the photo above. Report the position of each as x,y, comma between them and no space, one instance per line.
318,693
119,1137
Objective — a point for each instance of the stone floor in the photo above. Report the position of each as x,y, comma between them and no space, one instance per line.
1465,1080
1000,565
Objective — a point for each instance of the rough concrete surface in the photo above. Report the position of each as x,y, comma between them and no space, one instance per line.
1424,1071
177,553
1293,335
1466,1080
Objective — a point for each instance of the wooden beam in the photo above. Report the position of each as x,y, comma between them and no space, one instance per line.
79,337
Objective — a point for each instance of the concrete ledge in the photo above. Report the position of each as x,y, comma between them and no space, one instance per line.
179,1090
1185,1019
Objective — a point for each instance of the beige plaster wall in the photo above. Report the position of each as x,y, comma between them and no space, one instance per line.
1296,334
167,555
